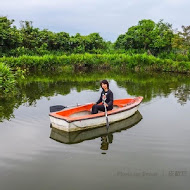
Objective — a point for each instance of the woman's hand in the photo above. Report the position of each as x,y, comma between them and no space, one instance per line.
104,97
106,104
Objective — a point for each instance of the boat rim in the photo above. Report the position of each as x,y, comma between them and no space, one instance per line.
98,115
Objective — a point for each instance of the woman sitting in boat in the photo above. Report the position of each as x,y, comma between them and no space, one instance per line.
107,96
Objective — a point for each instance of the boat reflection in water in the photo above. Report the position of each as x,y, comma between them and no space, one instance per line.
106,135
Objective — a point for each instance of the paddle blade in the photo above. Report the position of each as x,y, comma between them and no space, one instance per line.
56,108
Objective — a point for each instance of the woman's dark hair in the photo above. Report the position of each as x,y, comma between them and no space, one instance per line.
105,82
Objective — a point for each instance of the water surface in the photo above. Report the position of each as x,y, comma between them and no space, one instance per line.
149,151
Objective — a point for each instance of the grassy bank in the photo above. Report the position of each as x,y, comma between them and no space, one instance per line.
98,61
137,62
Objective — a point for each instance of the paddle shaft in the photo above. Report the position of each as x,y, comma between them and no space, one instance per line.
107,122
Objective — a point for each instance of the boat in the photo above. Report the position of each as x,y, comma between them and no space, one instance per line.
83,135
80,117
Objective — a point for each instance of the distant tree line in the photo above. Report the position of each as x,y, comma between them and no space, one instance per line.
158,39
155,38
15,41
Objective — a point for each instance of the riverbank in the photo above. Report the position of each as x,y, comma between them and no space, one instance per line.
84,62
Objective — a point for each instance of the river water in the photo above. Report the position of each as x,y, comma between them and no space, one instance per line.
150,150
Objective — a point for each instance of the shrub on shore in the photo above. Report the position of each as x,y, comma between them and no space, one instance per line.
7,79
98,61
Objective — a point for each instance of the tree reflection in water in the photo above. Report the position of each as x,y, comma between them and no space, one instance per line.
149,85
182,93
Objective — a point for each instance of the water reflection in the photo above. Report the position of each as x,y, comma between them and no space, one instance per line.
106,135
158,84
106,140
148,85
182,93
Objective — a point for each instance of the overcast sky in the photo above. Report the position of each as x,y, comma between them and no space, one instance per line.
110,18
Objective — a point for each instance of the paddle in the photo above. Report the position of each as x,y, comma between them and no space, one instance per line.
56,108
61,107
107,122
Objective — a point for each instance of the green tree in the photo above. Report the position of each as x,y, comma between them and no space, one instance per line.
177,42
89,43
162,37
30,35
120,42
77,44
147,35
185,35
9,35
96,41
62,41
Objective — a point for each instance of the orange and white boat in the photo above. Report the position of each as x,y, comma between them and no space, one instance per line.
80,117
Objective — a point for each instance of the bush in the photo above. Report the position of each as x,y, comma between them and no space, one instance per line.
7,79
98,61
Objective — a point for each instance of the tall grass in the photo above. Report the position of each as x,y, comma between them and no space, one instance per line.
98,61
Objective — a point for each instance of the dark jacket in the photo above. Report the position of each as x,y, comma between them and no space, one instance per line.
109,98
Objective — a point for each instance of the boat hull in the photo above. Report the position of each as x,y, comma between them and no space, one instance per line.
80,136
94,121
90,123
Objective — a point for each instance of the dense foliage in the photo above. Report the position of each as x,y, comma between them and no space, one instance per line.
146,46
158,39
97,61
147,35
7,80
33,41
